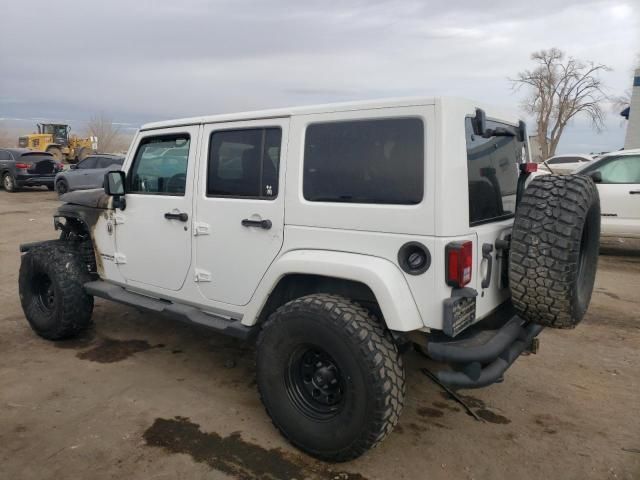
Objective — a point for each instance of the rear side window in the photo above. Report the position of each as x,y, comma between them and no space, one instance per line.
108,162
4,155
160,166
365,161
244,163
493,173
89,162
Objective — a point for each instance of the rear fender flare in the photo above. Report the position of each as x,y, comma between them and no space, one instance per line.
383,277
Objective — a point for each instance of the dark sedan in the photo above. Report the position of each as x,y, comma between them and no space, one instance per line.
21,167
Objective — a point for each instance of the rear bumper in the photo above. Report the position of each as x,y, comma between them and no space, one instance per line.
481,354
35,180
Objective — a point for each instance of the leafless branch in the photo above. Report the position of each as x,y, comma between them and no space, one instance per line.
101,126
558,89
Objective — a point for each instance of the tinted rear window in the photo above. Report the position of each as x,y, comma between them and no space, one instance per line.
365,161
493,173
105,162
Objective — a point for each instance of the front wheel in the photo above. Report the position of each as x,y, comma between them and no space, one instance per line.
56,152
62,187
51,284
330,376
83,153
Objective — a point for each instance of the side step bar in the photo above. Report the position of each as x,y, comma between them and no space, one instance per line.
178,311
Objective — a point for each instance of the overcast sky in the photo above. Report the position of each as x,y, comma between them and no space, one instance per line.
139,61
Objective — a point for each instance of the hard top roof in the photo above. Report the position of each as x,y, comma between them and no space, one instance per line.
289,111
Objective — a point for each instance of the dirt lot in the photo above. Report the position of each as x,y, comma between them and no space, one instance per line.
145,397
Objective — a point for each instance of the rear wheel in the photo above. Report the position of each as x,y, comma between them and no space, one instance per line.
83,153
554,250
51,284
9,183
330,376
56,152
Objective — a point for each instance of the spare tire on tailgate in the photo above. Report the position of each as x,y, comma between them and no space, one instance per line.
554,250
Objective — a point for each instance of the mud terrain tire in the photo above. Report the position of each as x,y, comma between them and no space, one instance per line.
51,282
554,250
329,335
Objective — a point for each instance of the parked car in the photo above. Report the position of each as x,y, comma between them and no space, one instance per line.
565,163
336,236
21,167
89,173
618,181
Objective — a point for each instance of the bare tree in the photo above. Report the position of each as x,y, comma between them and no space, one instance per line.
101,126
6,140
558,90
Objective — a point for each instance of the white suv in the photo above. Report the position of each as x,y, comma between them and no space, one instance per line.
337,237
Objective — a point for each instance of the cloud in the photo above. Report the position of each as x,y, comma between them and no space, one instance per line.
148,60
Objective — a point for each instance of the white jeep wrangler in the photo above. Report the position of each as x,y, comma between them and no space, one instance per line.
336,236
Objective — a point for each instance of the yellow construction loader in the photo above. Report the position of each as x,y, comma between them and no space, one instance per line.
55,139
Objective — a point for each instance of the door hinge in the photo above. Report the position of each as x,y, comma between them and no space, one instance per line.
119,258
201,228
202,275
118,219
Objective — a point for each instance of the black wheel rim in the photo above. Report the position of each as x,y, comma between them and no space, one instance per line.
315,383
62,188
45,293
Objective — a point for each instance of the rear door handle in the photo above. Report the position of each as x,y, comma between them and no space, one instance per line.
635,192
182,216
487,248
265,224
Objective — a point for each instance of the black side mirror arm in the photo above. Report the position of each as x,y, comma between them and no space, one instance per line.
596,176
119,202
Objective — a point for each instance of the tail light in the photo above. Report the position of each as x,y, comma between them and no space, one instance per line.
459,261
24,166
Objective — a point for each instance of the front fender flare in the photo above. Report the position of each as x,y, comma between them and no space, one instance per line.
383,277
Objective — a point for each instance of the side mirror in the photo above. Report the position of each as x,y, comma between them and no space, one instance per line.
596,176
73,166
522,131
114,182
479,122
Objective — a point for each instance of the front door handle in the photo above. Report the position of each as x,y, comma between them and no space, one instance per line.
266,224
182,216
635,192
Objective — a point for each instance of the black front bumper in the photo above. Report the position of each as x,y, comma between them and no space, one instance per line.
481,354
35,180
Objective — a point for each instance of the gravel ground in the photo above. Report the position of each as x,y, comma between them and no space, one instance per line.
141,396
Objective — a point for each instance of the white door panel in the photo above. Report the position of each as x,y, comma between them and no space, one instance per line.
233,248
153,242
620,209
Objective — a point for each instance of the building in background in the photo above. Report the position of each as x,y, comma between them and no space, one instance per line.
535,150
632,138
